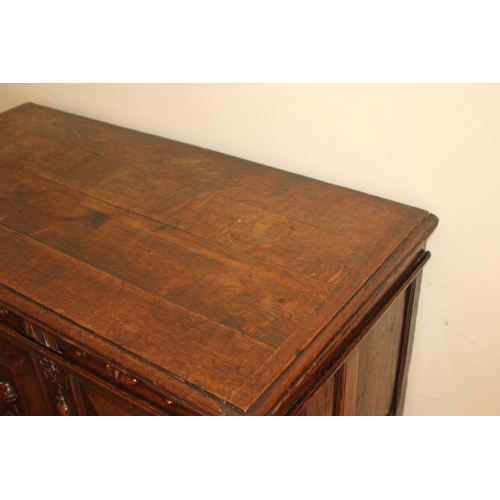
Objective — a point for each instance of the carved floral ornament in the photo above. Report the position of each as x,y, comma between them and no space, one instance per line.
52,373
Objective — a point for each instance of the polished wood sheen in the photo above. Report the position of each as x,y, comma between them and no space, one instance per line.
144,276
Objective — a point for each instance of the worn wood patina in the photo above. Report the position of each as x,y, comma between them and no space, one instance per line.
218,285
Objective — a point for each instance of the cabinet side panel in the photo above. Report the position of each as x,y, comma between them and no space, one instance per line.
346,380
379,354
321,404
407,347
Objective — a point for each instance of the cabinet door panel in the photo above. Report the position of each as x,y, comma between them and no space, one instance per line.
73,391
21,391
57,388
36,382
97,400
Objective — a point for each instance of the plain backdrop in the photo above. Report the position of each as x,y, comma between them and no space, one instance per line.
433,146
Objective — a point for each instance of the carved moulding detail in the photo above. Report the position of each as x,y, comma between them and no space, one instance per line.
29,329
41,336
54,375
7,393
62,406
120,377
51,371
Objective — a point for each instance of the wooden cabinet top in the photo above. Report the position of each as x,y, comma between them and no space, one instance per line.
217,277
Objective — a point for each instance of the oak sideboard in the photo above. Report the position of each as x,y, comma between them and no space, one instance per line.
144,276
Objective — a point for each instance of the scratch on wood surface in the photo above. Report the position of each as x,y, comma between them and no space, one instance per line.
39,231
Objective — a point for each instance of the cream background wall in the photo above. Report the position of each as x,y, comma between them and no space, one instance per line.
436,147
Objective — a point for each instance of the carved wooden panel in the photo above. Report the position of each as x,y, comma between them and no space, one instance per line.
36,382
71,391
57,387
96,400
21,392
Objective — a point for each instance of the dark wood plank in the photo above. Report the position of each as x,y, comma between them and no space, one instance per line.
265,302
191,347
184,163
285,230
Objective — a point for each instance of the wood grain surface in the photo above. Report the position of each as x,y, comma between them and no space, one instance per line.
214,270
